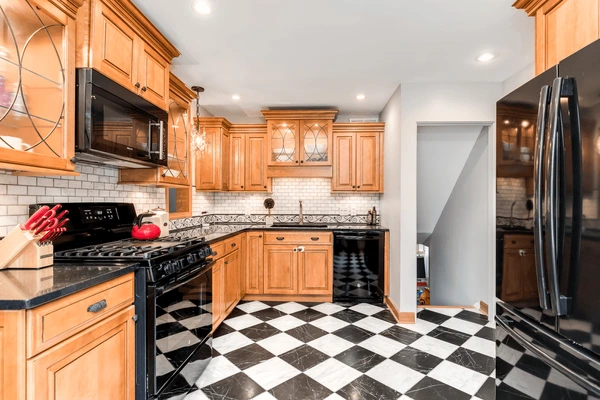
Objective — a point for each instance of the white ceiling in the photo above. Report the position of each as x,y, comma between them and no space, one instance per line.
442,152
323,52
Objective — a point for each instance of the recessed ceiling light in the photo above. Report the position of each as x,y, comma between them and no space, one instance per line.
202,7
236,97
485,57
360,97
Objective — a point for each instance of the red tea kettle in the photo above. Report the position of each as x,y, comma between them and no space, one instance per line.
145,230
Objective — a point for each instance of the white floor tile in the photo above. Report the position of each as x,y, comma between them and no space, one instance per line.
177,341
197,321
242,322
368,309
462,326
459,377
374,325
328,308
180,305
329,323
280,343
253,306
331,345
437,347
196,395
396,376
420,326
230,342
334,396
525,382
290,307
383,346
219,368
333,374
450,312
271,373
560,380
286,322
480,345
264,396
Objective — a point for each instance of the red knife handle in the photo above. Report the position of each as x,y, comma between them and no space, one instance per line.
41,226
62,223
34,218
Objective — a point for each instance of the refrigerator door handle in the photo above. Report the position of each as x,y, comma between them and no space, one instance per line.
546,358
537,195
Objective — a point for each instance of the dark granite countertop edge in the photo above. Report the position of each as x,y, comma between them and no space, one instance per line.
42,299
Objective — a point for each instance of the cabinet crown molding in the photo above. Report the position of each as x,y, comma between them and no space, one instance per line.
358,127
529,6
180,90
248,128
69,7
214,122
300,114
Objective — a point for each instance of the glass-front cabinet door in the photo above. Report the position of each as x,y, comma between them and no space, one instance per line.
315,142
178,160
36,87
284,142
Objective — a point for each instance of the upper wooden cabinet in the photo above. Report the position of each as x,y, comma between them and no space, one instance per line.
37,86
358,157
561,28
299,142
115,38
247,159
212,164
177,173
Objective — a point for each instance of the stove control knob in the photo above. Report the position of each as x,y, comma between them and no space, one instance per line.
191,258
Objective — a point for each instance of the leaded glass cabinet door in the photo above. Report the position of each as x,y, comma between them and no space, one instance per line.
315,142
179,148
36,87
284,142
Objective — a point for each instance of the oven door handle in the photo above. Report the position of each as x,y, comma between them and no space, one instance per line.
167,288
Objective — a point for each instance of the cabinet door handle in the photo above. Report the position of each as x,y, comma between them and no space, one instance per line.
94,308
314,239
260,236
280,238
301,249
137,85
233,244
143,88
522,253
226,262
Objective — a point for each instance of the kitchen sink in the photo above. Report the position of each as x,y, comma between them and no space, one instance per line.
297,225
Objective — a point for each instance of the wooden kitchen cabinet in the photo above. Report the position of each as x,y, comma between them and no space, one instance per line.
212,164
98,363
38,87
254,263
561,28
248,155
218,295
519,279
358,158
116,39
280,269
231,274
315,270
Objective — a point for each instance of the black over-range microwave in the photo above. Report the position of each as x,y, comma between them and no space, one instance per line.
116,126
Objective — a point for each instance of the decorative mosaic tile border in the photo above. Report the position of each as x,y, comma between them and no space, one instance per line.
260,219
526,223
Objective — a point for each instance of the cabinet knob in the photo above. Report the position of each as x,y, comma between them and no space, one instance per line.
295,250
296,161
302,162
233,244
359,187
242,187
353,187
260,236
137,85
226,262
265,187
143,88
522,253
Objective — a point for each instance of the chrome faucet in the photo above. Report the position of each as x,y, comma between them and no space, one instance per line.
300,217
511,212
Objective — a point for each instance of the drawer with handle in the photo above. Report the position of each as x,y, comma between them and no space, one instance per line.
53,322
219,249
288,237
518,241
233,244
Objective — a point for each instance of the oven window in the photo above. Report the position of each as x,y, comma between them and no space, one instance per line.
183,322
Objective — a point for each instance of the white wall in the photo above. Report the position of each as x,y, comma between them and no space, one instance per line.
420,103
442,151
517,79
458,246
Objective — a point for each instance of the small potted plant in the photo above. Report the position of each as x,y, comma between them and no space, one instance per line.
269,204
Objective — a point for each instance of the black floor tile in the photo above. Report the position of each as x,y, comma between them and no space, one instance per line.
472,317
169,329
416,359
552,391
300,387
306,333
260,331
430,389
366,388
304,357
488,390
486,333
449,335
534,366
308,315
236,387
223,330
268,314
349,316
360,358
432,316
401,335
236,312
249,356
353,334
473,360
385,315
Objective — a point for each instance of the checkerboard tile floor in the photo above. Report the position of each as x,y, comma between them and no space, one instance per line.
266,350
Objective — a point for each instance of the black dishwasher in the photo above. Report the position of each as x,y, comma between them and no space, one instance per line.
358,258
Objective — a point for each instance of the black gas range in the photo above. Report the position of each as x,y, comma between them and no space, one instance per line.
173,286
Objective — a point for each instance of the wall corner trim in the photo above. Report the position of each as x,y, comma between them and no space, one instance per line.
401,317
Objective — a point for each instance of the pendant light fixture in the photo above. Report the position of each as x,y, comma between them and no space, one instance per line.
198,139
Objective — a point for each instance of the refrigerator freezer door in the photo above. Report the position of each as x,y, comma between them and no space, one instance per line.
532,362
582,282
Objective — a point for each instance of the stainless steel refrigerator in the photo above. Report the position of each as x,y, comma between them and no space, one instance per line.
548,234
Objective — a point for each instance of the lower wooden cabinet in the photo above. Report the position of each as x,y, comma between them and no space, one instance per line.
98,363
227,277
254,263
280,269
315,270
218,295
231,268
519,274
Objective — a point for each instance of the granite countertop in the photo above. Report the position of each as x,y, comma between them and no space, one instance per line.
218,232
28,288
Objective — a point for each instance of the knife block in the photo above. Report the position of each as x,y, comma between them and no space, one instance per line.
15,244
34,256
